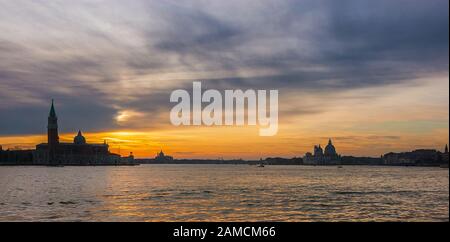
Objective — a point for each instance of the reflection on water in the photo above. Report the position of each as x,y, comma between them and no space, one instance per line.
223,193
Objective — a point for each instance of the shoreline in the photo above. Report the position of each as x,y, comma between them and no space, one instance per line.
224,164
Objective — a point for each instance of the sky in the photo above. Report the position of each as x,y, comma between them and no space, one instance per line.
371,75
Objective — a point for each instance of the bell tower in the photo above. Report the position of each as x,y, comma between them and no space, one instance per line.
52,133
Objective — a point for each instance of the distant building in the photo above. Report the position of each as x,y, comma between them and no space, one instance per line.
161,157
425,157
352,160
77,153
318,153
13,157
321,157
56,153
282,161
445,155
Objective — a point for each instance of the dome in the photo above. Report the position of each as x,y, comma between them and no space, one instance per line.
79,139
330,150
161,154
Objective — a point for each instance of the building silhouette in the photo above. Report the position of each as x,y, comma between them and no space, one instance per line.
55,153
161,157
321,157
423,157
52,135
77,153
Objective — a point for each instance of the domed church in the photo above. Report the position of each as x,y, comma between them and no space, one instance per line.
79,139
79,152
330,151
329,156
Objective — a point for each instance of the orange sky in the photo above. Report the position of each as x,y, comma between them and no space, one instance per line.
391,122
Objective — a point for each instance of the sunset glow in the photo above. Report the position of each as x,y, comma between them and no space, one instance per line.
371,93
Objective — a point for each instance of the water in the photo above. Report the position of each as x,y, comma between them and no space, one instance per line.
224,193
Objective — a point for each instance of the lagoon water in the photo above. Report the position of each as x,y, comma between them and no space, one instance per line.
224,193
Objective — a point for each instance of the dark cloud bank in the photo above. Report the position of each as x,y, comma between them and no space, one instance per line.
306,45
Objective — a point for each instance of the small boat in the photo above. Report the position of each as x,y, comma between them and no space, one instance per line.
444,166
261,163
339,167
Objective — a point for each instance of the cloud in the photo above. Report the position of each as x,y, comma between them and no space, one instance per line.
102,58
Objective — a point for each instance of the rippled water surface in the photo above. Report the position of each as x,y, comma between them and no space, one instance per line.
224,193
